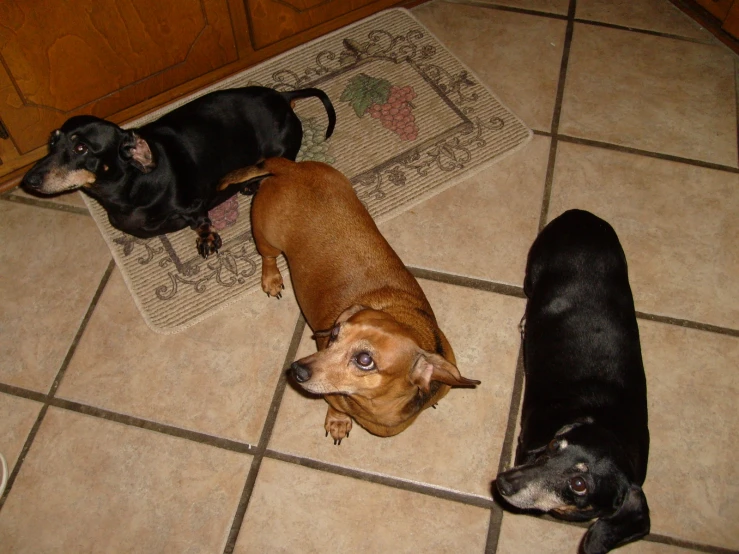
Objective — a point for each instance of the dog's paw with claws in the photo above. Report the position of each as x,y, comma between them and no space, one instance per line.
274,289
338,425
208,243
271,278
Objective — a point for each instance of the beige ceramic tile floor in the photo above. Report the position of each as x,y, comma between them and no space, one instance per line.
122,440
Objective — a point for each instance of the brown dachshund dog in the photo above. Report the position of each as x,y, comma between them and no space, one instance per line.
381,358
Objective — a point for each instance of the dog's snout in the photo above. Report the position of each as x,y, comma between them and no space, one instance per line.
32,179
300,372
507,484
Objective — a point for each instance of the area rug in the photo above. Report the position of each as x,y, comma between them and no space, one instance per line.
412,121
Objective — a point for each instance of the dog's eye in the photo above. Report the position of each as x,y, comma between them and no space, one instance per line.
578,485
364,361
54,138
80,148
553,445
334,332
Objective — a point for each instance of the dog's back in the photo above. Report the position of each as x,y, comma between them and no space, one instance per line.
581,340
339,231
582,452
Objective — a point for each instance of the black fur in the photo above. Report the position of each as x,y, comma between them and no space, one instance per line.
164,176
584,417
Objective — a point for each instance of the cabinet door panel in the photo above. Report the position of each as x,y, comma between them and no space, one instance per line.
273,20
101,56
718,8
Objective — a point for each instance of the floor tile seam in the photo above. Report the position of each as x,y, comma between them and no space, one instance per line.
495,524
191,435
557,114
512,9
651,537
470,500
509,439
551,15
647,153
595,23
639,152
514,291
81,329
22,392
48,398
47,205
688,324
496,517
267,429
22,455
399,483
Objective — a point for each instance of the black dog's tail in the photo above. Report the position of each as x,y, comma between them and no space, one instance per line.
292,95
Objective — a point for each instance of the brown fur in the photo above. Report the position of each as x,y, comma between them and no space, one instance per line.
345,273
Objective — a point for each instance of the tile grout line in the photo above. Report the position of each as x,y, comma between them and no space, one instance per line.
651,538
556,116
584,21
660,34
47,205
267,429
383,479
162,428
648,153
517,292
695,325
496,515
55,385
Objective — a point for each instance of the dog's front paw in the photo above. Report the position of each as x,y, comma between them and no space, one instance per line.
272,279
338,424
208,243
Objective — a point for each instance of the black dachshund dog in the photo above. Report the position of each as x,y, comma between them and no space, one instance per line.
584,442
165,175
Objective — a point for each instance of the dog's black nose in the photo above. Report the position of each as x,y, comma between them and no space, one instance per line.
32,179
505,487
300,372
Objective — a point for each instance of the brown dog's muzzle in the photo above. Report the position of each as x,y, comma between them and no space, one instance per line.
300,372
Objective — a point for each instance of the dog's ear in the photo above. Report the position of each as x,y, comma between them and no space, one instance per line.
433,367
346,314
136,151
629,522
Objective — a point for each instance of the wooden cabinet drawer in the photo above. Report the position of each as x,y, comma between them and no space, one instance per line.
718,8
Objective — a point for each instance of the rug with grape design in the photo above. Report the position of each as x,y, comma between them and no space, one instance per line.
412,120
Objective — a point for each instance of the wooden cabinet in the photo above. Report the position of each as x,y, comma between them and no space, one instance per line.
718,8
118,59
273,20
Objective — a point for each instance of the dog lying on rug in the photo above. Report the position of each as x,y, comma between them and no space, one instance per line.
381,358
584,442
164,176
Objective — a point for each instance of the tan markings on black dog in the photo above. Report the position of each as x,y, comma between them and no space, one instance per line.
61,180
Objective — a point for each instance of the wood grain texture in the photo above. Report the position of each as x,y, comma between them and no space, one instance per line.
717,8
731,23
273,20
100,56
